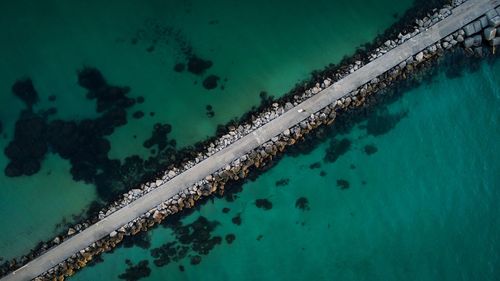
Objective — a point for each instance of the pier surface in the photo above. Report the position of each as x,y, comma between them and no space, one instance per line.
460,16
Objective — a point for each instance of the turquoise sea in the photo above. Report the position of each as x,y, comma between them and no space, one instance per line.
412,197
415,199
256,45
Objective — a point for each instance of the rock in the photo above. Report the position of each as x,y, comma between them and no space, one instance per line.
484,21
419,57
71,231
460,38
56,240
489,33
495,21
157,216
171,174
469,29
113,234
478,51
495,41
286,132
159,182
469,42
288,106
477,26
478,39
491,14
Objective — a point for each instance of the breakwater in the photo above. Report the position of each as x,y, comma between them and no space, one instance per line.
337,110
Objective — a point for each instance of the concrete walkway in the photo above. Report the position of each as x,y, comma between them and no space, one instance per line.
461,16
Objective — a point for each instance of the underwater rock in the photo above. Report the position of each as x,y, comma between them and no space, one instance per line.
226,210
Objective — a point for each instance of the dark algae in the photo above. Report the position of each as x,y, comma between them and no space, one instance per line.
382,121
83,142
191,240
315,165
179,67
343,184
136,272
302,203
210,111
264,204
25,90
282,182
370,149
336,149
197,65
210,82
141,240
230,238
236,219
138,114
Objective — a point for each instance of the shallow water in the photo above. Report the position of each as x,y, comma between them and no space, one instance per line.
421,204
258,46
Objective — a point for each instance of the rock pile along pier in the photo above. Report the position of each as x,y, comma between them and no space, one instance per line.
473,25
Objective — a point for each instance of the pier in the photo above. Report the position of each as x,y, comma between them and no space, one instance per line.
461,16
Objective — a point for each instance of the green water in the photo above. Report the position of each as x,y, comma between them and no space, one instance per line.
424,206
258,45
